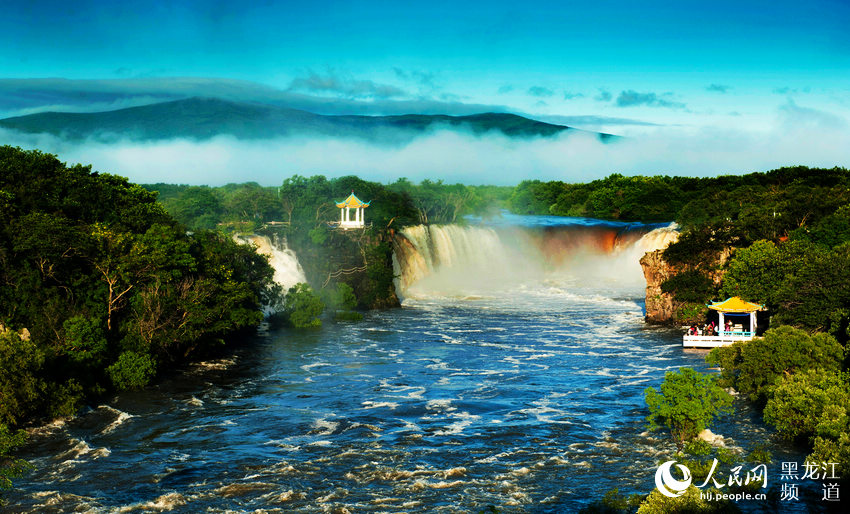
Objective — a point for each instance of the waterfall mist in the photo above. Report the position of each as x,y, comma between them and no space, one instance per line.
456,260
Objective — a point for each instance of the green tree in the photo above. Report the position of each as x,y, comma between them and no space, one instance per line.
753,367
10,467
756,273
687,403
21,387
132,370
812,402
85,340
197,207
341,297
108,286
302,307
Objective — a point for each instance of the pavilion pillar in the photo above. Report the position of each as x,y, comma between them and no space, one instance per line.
721,326
341,215
752,323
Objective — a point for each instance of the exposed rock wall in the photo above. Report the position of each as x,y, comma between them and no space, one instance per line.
661,307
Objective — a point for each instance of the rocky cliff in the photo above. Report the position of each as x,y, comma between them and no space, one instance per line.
661,307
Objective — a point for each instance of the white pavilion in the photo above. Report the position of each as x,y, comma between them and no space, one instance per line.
352,203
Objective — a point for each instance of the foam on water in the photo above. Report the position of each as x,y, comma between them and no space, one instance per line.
120,418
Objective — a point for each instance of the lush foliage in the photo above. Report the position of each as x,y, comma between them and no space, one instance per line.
689,503
302,307
102,287
687,403
754,367
308,201
758,205
615,197
809,402
814,405
806,284
10,467
689,286
797,377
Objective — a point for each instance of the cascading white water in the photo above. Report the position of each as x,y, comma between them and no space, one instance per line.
287,270
452,257
657,239
456,259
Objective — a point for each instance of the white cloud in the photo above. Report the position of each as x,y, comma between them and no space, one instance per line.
802,136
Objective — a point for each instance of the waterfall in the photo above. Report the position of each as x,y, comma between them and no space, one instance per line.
442,258
658,239
448,256
287,270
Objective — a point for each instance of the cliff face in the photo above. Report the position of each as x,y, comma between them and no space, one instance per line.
661,307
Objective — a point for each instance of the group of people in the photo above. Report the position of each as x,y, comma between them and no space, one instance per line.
709,329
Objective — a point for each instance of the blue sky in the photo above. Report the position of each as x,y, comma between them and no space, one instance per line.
625,67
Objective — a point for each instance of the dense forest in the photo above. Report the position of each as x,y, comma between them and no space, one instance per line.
100,288
307,201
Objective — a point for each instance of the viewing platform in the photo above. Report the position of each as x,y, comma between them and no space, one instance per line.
726,333
713,341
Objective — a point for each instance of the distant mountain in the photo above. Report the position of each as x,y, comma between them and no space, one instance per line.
203,118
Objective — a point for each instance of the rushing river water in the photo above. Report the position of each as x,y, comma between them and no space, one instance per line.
527,397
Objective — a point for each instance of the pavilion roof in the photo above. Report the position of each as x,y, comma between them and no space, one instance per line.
735,304
352,202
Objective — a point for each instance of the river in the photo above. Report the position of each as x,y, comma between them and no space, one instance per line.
526,395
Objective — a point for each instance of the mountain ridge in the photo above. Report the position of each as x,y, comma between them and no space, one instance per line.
206,117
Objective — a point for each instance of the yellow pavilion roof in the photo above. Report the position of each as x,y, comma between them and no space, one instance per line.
352,202
735,304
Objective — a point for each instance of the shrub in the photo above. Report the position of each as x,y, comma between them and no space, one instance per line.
132,370
687,404
809,403
753,367
690,502
302,307
10,467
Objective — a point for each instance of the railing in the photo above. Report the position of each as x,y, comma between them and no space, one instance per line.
345,225
722,339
